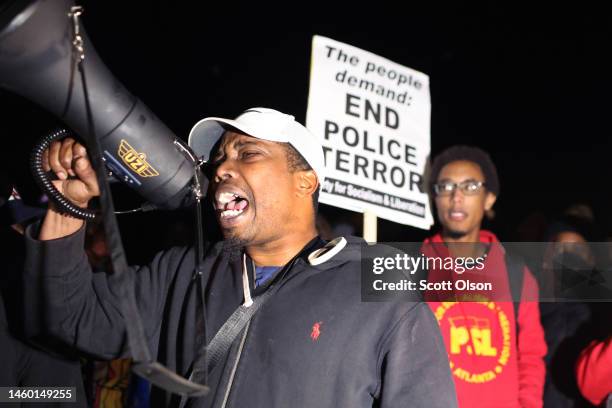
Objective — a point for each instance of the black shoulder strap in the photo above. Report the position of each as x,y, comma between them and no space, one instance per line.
516,272
209,355
226,335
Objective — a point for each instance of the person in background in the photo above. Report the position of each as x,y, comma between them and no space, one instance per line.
495,349
594,372
567,324
21,363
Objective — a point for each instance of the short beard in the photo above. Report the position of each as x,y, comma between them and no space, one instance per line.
455,234
233,247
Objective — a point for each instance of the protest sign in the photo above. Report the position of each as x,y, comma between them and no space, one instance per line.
373,119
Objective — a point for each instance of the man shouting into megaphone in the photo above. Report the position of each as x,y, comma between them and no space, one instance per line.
311,341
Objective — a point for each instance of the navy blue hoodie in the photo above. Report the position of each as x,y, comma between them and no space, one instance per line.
315,343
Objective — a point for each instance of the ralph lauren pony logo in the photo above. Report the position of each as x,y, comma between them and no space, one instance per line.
316,331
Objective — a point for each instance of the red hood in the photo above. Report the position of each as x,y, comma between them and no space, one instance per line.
484,236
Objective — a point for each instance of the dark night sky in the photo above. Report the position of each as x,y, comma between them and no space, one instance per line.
530,86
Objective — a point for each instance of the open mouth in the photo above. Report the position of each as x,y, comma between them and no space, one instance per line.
457,215
230,204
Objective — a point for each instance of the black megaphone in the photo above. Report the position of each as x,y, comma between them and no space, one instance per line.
37,62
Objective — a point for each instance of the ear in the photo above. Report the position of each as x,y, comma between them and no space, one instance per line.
489,200
306,183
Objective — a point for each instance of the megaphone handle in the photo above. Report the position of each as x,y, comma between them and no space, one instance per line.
44,181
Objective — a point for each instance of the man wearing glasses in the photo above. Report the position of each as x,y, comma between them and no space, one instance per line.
495,348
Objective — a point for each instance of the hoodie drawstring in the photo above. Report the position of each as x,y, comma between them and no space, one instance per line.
248,301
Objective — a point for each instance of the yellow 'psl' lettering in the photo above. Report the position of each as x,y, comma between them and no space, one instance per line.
459,336
474,336
481,338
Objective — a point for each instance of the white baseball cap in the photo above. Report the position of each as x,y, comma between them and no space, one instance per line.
262,123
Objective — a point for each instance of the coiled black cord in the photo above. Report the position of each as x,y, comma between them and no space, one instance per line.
44,180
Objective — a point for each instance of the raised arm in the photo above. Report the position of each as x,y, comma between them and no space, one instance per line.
77,182
65,300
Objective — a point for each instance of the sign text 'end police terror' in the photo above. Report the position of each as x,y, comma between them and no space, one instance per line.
388,149
372,117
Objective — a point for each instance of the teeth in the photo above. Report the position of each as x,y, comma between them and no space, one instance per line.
230,213
225,198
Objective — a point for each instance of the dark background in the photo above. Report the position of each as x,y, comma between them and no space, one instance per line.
531,86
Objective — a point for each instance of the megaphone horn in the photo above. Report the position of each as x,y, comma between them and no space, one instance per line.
37,61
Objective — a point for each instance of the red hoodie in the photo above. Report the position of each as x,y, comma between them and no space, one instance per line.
594,371
490,367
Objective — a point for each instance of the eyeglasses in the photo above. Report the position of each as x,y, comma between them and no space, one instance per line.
468,187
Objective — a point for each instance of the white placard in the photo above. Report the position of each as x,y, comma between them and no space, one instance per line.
373,119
